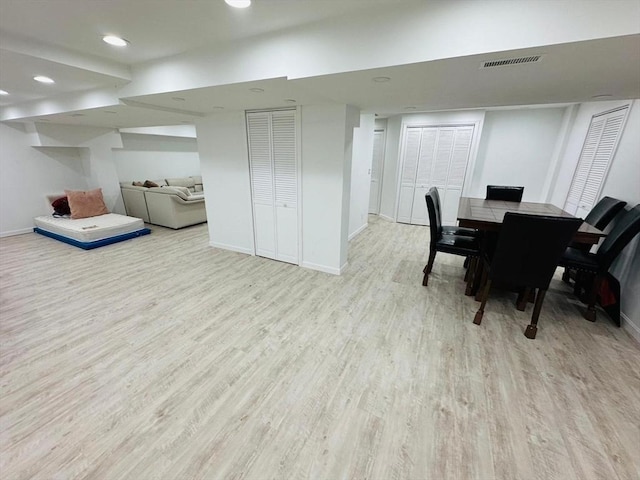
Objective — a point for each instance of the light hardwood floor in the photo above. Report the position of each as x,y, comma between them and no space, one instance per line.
164,358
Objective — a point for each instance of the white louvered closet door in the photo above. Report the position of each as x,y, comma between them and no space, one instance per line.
597,152
436,157
408,174
274,183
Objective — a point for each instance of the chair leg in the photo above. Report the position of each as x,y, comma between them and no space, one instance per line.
480,281
590,314
470,276
532,328
523,297
428,267
467,261
485,295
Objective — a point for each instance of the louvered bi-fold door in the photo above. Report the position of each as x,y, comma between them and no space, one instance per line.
376,171
274,182
433,156
595,158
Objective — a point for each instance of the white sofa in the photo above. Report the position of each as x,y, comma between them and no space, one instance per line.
175,203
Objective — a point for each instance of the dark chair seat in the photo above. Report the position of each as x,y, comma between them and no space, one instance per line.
467,232
458,245
579,259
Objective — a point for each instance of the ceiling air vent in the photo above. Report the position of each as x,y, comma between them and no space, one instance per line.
511,61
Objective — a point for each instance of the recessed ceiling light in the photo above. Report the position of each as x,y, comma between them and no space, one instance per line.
218,107
43,79
381,79
257,90
109,111
4,92
238,3
410,108
177,99
43,120
603,95
115,41
289,100
77,115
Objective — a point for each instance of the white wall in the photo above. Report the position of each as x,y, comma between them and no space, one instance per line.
224,165
388,192
623,182
361,174
148,157
327,132
28,174
516,148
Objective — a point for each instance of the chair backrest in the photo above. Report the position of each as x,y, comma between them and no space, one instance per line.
504,192
529,248
604,211
619,237
435,224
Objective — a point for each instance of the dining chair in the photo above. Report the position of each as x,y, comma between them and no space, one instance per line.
504,192
600,216
526,255
448,243
597,264
451,230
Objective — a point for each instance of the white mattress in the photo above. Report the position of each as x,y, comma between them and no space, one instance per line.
90,229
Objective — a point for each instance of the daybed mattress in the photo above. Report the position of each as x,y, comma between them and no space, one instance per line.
91,232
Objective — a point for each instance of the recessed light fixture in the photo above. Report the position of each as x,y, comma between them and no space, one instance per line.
109,111
77,115
602,95
43,120
257,90
218,107
410,108
115,41
43,79
4,92
381,79
289,100
177,99
238,3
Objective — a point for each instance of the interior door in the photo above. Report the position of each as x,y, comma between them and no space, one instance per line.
376,171
419,213
458,162
408,174
274,183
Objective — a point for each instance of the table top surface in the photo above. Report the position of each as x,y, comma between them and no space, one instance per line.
489,214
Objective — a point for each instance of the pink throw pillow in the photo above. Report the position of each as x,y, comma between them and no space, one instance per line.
86,204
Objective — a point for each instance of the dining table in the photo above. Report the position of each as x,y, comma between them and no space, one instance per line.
488,215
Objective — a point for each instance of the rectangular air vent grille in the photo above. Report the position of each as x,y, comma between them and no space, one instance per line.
511,61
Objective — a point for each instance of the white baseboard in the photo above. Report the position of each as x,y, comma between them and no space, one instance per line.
233,248
358,231
323,268
11,233
629,326
387,218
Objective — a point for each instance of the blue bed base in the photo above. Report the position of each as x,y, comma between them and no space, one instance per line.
96,243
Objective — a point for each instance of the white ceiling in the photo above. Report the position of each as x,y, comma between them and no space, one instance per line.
62,39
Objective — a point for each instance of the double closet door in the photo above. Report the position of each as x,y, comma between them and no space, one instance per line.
433,157
274,183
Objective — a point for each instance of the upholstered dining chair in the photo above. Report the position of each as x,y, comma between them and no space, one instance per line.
526,255
451,230
504,192
447,243
598,263
600,216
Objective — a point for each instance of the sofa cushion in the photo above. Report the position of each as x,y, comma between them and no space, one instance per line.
149,184
187,182
85,204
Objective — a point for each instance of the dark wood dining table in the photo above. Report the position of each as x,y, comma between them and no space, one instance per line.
487,215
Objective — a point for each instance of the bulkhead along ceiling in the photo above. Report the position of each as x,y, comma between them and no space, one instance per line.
185,59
